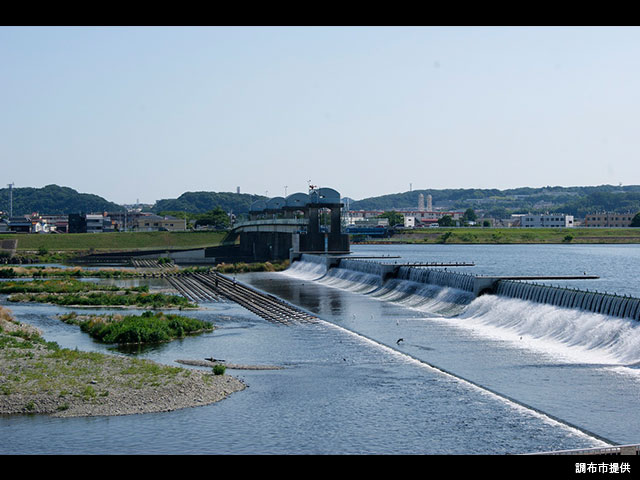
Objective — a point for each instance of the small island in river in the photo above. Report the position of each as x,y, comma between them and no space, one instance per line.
37,376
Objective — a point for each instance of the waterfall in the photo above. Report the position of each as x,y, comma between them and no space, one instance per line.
603,303
386,280
443,278
370,268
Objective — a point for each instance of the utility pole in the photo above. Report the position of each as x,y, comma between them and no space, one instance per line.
11,199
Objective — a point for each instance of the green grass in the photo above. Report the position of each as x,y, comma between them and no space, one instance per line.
66,373
114,241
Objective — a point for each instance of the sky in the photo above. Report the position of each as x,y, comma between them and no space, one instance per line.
139,114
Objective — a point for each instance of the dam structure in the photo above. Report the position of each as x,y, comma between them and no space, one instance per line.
472,286
284,228
277,229
281,229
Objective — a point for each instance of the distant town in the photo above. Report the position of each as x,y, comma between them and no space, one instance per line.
178,215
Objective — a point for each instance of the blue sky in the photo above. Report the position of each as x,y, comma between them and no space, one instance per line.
145,113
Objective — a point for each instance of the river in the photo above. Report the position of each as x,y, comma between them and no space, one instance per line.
493,376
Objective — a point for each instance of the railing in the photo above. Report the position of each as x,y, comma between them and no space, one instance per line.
274,221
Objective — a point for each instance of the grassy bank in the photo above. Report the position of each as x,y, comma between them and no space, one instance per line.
58,246
515,236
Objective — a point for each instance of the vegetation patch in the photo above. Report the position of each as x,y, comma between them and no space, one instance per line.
149,327
74,292
69,285
146,300
242,267
74,272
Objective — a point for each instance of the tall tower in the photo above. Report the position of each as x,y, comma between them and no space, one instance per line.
421,202
10,199
429,203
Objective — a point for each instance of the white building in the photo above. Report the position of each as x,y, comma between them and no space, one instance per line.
556,220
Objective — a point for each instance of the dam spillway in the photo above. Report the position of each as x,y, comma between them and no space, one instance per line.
518,287
389,277
596,302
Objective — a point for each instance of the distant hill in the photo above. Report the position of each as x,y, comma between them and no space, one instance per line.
201,202
53,200
577,201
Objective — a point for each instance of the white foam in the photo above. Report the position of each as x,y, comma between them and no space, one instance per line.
566,334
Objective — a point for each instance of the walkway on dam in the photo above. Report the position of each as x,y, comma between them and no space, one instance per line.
208,287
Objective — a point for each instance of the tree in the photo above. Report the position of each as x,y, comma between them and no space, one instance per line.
216,218
636,220
446,221
469,216
395,218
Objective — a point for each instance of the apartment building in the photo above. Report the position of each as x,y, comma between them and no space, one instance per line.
608,220
547,220
148,223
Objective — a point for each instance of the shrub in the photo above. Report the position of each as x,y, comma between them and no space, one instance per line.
219,369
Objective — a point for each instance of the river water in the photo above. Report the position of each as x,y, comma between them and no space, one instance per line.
489,375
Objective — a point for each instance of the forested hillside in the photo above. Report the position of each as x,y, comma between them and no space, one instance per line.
576,201
201,202
53,200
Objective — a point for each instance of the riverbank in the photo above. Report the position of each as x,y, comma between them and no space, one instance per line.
483,235
39,377
83,243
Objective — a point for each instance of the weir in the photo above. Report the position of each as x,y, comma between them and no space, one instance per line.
514,286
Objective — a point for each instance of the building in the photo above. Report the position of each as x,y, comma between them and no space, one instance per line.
95,223
89,223
20,224
547,220
76,223
608,220
421,218
56,223
150,223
